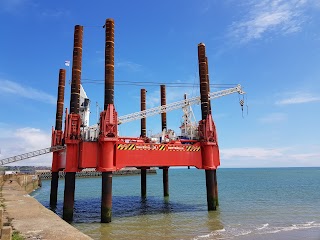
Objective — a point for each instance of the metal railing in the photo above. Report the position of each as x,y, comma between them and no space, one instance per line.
30,154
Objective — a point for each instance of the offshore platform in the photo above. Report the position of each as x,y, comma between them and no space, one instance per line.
81,146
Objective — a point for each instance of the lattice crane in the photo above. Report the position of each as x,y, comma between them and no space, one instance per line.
93,131
177,105
32,154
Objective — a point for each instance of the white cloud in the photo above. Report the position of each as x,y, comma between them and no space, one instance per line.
279,16
54,13
271,157
255,153
273,117
131,66
297,98
10,87
24,140
13,5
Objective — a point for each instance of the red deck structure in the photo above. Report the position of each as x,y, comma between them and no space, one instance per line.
112,152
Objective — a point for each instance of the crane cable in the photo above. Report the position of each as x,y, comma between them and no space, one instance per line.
242,102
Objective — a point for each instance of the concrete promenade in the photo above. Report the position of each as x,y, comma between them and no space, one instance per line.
31,219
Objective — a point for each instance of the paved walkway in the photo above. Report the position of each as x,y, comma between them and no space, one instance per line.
33,220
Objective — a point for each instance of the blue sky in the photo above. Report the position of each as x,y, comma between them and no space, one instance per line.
270,47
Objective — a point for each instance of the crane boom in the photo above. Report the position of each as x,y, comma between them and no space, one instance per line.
177,105
128,118
30,154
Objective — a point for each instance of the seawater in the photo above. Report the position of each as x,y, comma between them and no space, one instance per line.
253,203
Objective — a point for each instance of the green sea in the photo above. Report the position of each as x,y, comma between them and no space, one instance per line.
265,203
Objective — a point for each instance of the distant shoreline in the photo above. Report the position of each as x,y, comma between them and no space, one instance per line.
46,174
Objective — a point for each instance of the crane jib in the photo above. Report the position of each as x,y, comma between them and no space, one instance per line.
177,105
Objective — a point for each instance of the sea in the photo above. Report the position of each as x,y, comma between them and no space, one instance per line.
254,203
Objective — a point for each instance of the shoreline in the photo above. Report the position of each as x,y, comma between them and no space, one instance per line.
295,234
88,173
31,219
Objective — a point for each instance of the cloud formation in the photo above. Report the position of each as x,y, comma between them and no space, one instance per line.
273,117
131,66
10,87
270,157
23,140
55,13
254,152
297,98
279,16
13,6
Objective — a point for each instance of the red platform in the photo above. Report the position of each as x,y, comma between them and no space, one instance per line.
112,153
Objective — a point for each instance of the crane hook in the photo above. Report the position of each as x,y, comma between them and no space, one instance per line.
241,104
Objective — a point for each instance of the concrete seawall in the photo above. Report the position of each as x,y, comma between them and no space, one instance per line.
26,182
26,215
87,173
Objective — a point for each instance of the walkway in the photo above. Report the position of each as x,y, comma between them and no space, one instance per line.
33,220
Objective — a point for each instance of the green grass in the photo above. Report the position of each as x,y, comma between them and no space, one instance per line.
16,236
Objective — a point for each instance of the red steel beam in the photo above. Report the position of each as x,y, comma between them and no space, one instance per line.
137,154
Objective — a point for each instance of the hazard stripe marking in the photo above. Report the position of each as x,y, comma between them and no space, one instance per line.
162,147
193,149
126,147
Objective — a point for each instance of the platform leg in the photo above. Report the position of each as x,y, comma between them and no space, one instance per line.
106,202
68,202
211,196
216,187
143,183
54,189
165,182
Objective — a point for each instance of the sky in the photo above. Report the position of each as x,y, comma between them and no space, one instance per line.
270,47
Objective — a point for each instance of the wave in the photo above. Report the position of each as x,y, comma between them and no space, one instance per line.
208,236
266,229
307,225
263,226
240,230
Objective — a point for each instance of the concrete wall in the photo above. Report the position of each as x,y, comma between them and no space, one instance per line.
33,221
27,182
88,173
